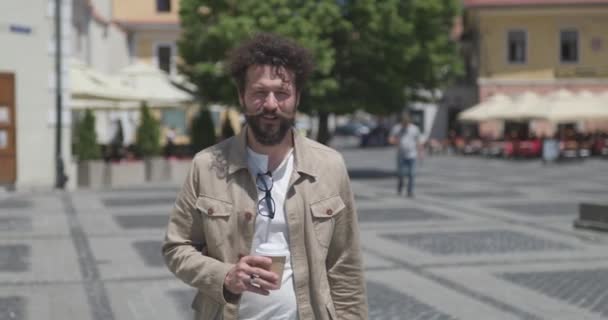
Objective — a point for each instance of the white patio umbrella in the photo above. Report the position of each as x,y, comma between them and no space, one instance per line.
153,86
583,106
550,100
487,110
603,97
91,88
524,107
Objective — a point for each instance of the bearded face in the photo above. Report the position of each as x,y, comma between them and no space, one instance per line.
269,128
270,102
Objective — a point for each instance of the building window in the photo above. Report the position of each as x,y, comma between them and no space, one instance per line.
516,46
163,56
568,45
163,5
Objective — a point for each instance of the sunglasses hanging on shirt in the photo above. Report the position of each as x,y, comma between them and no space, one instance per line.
264,183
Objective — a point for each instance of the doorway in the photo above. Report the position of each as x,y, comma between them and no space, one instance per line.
8,159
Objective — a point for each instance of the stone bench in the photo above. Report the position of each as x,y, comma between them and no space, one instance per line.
592,216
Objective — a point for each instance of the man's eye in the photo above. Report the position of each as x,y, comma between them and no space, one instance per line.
282,95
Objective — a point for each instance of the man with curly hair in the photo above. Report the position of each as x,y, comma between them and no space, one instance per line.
268,187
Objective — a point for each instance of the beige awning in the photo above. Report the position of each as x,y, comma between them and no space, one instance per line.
153,86
88,84
487,110
91,89
582,106
525,106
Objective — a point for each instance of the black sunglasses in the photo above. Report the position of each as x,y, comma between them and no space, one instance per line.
264,183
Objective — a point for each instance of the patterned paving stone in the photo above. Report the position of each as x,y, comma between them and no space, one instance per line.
15,204
399,214
14,258
15,224
386,303
522,183
142,222
363,197
155,189
370,173
475,194
599,191
587,289
475,242
149,251
12,308
541,208
134,202
392,184
183,300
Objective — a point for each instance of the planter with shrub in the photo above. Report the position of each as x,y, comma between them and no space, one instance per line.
91,169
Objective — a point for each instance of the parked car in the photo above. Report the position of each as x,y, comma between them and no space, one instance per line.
352,129
377,137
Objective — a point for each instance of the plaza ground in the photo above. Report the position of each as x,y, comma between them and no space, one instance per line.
482,239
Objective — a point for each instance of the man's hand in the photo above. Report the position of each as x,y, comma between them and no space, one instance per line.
252,273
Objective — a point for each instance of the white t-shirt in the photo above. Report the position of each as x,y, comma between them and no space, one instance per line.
280,304
408,140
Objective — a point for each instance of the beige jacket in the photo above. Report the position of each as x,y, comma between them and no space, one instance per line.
213,220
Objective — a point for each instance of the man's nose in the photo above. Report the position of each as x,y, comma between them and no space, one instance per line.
271,102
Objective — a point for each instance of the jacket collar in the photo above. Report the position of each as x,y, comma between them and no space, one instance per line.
237,154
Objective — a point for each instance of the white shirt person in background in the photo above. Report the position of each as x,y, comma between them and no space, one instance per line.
406,136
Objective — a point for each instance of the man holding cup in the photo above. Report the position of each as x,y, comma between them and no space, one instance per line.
265,225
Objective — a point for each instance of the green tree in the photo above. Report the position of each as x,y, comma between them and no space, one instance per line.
211,28
86,147
368,52
148,133
395,49
202,131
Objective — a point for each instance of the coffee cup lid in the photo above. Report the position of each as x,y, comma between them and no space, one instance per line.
272,249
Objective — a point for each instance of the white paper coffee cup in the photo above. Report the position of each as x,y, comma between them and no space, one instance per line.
278,253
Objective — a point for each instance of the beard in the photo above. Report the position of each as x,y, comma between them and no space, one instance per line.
269,134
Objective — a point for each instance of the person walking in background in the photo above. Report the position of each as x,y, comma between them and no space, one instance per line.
300,191
407,138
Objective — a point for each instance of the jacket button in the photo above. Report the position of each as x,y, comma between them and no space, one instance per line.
210,211
248,216
329,212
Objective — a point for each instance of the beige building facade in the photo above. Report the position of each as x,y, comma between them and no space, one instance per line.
538,45
153,29
27,95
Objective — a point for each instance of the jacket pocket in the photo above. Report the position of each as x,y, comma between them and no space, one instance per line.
215,216
323,214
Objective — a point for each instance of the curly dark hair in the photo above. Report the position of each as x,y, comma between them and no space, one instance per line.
274,50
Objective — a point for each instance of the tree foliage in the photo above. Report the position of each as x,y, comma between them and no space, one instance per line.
212,27
86,147
202,131
368,52
148,133
395,49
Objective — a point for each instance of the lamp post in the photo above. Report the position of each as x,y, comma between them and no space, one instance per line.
60,178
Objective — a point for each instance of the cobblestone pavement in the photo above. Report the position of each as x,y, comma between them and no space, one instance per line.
483,239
